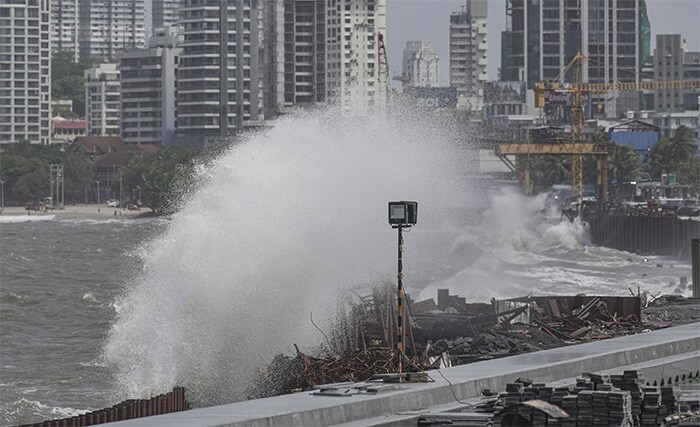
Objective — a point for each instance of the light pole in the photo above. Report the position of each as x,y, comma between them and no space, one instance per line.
401,215
121,189
98,194
63,188
2,196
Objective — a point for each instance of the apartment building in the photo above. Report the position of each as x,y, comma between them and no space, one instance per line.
354,80
102,100
543,36
420,65
110,26
65,27
673,61
301,60
148,80
164,13
25,71
220,69
468,48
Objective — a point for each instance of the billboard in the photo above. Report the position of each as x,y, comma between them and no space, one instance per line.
557,97
504,92
431,98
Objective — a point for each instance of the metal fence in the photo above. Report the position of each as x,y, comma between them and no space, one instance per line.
665,235
173,401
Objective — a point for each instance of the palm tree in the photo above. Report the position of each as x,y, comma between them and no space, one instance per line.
669,154
623,163
546,171
681,147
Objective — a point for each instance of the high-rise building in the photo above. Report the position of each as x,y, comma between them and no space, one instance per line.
110,26
420,65
354,80
543,36
295,62
220,76
164,13
148,90
102,100
65,26
25,71
672,61
468,48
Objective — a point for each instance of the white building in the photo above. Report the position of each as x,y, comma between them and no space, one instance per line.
295,57
164,14
102,100
468,49
110,26
148,90
25,71
65,25
220,77
673,61
353,77
420,64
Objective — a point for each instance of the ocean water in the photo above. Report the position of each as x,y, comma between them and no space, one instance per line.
94,312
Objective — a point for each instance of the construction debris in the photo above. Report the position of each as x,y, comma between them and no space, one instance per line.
361,342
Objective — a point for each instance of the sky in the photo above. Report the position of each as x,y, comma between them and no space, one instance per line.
429,20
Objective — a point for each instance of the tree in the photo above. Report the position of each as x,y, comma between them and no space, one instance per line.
546,171
623,163
25,169
162,178
689,174
68,80
80,173
682,147
70,87
669,154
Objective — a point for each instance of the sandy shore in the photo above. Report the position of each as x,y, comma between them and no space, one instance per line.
79,211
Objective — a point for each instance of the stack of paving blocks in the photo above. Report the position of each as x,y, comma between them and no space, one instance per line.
596,400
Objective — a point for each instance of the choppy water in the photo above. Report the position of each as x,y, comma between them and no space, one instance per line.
58,283
94,312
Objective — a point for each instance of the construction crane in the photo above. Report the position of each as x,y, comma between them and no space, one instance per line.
577,89
383,70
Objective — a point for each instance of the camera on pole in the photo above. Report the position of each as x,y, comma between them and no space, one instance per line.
401,215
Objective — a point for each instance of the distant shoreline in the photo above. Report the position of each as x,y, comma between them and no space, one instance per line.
80,211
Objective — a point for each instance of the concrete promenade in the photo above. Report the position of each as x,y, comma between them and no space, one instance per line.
667,352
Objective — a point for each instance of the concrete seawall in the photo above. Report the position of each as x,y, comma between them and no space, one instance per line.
667,352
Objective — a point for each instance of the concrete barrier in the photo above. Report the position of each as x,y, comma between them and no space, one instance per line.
304,409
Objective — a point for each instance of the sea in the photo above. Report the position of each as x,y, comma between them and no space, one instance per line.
285,226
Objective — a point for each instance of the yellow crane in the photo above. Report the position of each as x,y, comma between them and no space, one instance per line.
577,89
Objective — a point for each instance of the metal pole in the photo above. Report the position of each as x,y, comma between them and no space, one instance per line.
399,311
63,186
98,193
51,171
2,197
695,255
58,186
121,192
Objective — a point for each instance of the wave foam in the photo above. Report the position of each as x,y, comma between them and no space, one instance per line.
14,219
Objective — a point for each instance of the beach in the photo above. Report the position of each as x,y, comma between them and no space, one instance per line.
79,211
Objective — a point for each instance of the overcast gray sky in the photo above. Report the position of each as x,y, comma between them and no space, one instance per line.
429,20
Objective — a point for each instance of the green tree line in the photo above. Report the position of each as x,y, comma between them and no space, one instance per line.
160,180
